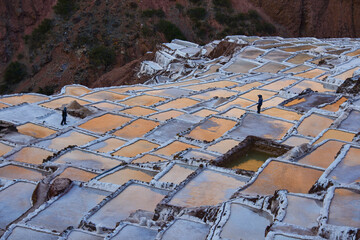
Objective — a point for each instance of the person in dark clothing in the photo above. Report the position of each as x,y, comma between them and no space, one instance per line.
259,103
64,115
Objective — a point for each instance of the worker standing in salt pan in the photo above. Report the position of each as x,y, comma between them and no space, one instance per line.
64,115
260,101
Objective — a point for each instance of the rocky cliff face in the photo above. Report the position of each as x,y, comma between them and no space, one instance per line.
17,18
320,18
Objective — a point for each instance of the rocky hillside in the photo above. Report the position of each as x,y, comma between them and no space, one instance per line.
45,47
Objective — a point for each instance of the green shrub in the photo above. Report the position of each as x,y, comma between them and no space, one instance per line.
38,37
254,15
170,30
222,3
147,31
15,72
195,1
153,12
133,5
102,56
47,90
197,14
179,7
65,8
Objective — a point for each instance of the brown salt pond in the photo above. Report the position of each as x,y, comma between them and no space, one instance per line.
302,211
300,58
15,200
35,131
239,102
275,101
107,145
253,94
60,102
216,84
125,174
324,155
69,209
211,129
136,129
169,92
196,193
142,100
177,173
67,139
295,141
3,105
177,84
335,106
279,175
139,111
12,172
223,146
107,106
245,223
30,155
173,148
271,67
104,95
163,116
4,148
140,146
76,90
298,48
78,158
299,68
345,208
126,89
313,125
251,53
311,73
336,134
353,53
149,158
246,87
214,93
279,84
132,198
241,66
76,174
281,113
348,170
277,56
204,113
178,104
97,124
29,98
234,113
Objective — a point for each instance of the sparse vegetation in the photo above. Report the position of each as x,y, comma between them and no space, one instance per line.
65,8
47,90
133,5
15,72
197,14
222,3
170,30
38,37
153,12
102,56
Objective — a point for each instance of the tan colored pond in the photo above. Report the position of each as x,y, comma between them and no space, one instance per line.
241,66
216,84
335,106
142,100
76,174
277,56
281,113
297,69
279,175
315,86
3,105
173,148
139,111
196,193
104,95
234,112
251,53
34,130
163,116
136,129
353,53
67,139
212,69
223,146
336,134
345,208
271,67
311,73
215,93
149,158
125,174
131,88
31,155
59,102
108,145
211,129
177,174
98,125
140,146
76,90
80,158
253,94
4,149
176,84
324,155
300,58
204,113
240,102
12,172
295,141
313,125
347,74
29,98
107,106
298,48
279,84
178,103
246,87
